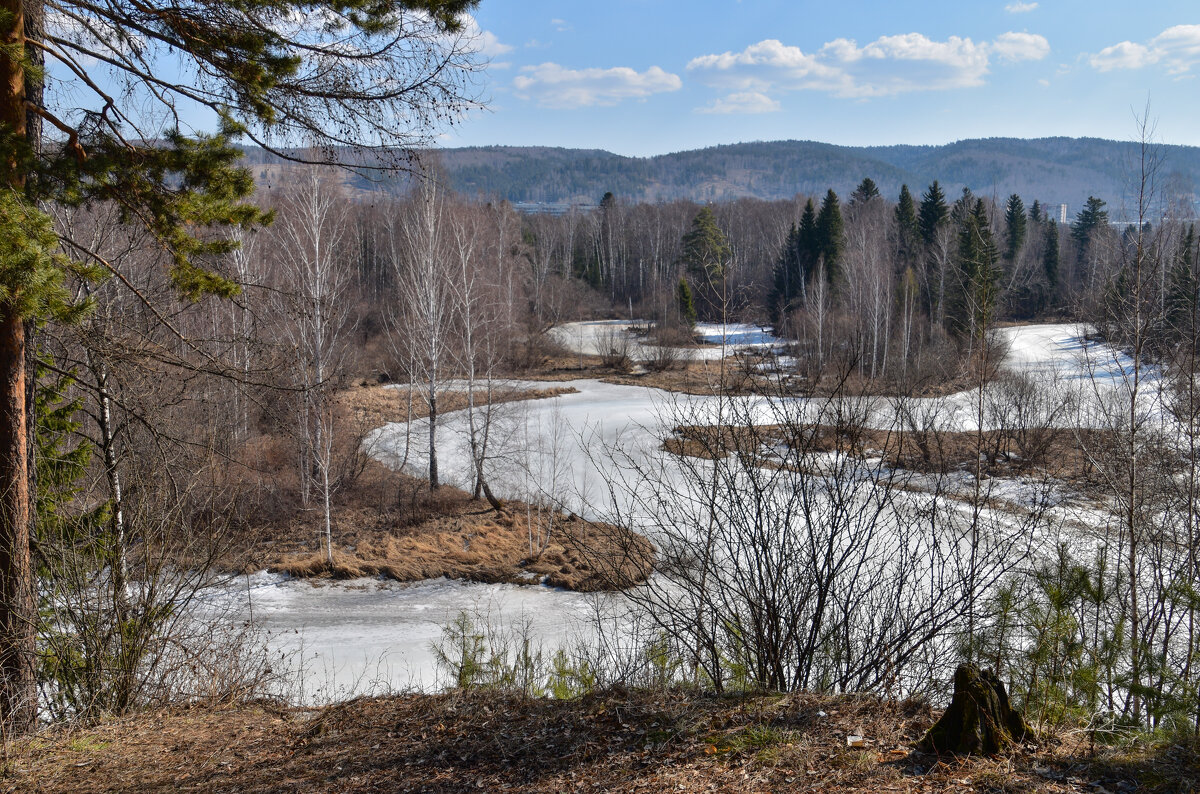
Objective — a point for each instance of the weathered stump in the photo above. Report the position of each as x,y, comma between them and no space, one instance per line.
980,719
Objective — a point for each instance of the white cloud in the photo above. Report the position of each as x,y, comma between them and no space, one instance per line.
482,41
744,103
889,65
561,25
1177,48
1125,55
1021,47
554,86
1020,8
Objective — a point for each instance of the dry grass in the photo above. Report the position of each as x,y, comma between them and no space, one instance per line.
386,523
616,741
1058,452
461,538
374,405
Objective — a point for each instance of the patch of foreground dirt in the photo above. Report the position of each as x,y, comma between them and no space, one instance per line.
619,741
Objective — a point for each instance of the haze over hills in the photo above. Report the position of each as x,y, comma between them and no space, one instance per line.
1052,170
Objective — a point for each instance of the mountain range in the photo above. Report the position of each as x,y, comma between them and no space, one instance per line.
1052,170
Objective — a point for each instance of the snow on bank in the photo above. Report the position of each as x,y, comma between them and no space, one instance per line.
594,338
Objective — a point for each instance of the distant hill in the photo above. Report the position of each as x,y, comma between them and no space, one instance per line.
1052,170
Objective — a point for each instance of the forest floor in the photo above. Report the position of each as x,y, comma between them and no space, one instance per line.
617,741
387,523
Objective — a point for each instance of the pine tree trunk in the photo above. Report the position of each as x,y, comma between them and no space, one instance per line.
18,686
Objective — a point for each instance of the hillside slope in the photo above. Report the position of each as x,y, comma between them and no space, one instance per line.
1053,170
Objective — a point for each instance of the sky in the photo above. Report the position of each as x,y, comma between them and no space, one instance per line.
645,77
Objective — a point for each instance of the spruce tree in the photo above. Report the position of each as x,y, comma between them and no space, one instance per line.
865,191
973,297
934,213
687,306
908,229
831,236
962,208
1014,228
1050,259
1092,217
808,243
789,277
705,252
1035,213
1182,287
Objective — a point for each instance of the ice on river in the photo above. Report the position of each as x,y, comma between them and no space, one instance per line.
355,634
373,635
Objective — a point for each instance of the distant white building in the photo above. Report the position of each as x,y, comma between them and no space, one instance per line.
1062,213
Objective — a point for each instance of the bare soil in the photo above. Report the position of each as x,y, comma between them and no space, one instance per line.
618,741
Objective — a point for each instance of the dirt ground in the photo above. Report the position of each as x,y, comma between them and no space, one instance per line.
614,742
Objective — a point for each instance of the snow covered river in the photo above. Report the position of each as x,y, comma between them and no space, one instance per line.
366,635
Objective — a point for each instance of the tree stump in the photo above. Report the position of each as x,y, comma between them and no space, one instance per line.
980,719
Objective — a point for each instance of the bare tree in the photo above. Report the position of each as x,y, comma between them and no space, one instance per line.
314,288
422,323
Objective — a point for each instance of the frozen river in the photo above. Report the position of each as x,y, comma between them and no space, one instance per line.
367,635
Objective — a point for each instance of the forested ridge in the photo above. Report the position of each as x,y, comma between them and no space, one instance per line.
1052,170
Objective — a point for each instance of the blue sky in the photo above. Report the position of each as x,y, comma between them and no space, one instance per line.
644,77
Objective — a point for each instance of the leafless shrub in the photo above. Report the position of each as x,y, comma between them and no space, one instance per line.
662,358
615,349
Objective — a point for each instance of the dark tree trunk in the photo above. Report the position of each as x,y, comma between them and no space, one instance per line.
980,720
18,687
18,613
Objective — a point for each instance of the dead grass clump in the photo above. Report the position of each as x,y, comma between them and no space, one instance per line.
457,537
374,406
1058,451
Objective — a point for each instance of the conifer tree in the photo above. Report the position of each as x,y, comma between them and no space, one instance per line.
1183,285
1014,228
831,236
1050,259
808,244
705,250
1035,213
687,306
705,255
908,229
788,277
934,212
1093,216
865,191
973,298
